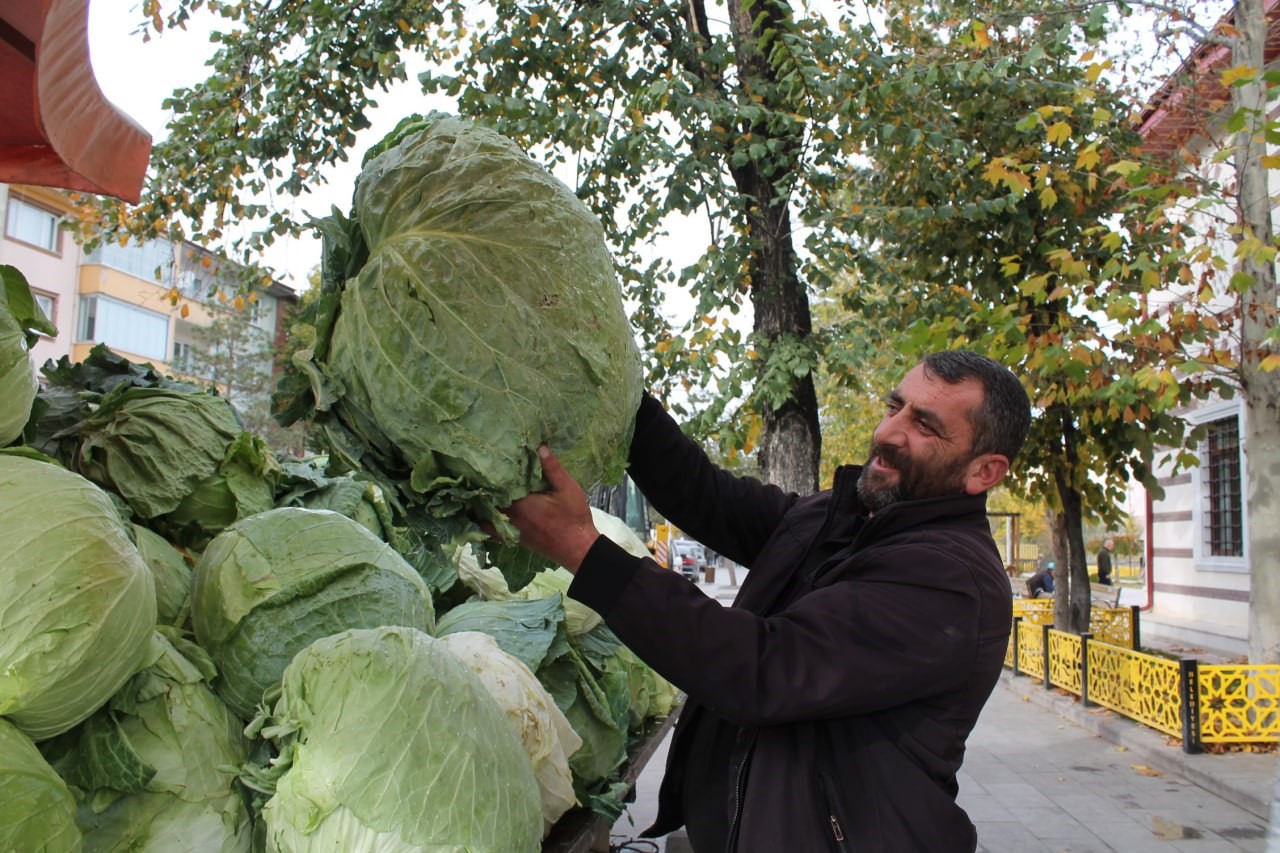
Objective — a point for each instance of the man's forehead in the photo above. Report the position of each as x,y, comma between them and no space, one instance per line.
952,403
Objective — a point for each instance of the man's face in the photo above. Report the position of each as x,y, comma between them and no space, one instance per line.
922,447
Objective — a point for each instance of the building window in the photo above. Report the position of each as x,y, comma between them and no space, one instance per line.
48,305
1223,510
124,327
32,225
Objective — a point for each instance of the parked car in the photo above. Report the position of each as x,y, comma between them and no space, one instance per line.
689,557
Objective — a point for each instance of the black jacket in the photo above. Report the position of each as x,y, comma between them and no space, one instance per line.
850,670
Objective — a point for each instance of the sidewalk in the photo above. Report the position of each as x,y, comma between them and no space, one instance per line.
1045,775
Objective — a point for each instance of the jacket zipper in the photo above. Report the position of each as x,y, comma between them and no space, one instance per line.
735,816
833,822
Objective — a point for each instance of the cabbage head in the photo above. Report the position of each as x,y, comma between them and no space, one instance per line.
180,459
156,769
544,731
37,811
269,585
387,742
20,320
79,604
469,312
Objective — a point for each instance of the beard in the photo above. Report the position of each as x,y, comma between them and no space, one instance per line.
916,479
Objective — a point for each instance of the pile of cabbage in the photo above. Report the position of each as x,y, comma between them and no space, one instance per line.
209,645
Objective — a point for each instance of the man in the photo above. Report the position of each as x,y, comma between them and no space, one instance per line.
1104,562
828,707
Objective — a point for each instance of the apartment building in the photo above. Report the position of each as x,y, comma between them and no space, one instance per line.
146,301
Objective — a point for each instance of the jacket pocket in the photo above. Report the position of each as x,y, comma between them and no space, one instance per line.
834,827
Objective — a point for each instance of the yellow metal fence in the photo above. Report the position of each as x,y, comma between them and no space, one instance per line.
1198,702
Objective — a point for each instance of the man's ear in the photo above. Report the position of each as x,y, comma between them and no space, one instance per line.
984,472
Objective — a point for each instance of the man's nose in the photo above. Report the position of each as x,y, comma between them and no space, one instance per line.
889,431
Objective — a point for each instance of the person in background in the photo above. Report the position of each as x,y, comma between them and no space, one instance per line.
1104,561
828,707
1041,581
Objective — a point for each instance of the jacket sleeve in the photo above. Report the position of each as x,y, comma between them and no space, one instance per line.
731,515
866,642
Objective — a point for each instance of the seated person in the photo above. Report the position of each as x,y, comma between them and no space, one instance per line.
1041,581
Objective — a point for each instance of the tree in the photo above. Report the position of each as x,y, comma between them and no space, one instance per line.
239,360
998,206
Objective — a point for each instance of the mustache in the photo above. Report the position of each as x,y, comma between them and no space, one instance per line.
888,455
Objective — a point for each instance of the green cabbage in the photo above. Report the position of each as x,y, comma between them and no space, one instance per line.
20,319
469,312
156,770
79,603
269,585
387,742
37,812
181,460
544,731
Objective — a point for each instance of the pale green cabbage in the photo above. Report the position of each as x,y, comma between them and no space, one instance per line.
269,585
37,812
156,770
469,312
78,604
544,731
387,742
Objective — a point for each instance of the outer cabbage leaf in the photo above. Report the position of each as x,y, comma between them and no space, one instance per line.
269,585
38,812
387,742
470,312
544,731
79,603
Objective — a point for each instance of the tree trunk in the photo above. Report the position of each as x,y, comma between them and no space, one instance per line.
1261,388
790,443
1072,601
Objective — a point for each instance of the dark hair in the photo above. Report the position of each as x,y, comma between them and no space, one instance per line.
1001,424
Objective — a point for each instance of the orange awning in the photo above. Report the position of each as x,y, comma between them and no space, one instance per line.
57,129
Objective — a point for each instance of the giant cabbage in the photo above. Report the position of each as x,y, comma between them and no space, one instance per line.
37,812
20,320
269,585
156,769
387,742
469,312
79,604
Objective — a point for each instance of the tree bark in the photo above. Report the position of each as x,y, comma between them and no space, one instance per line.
1261,388
791,443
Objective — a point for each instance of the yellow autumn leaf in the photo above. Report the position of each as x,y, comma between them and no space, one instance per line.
1088,158
1238,74
1271,362
1271,161
238,302
1146,771
981,37
1048,198
185,311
